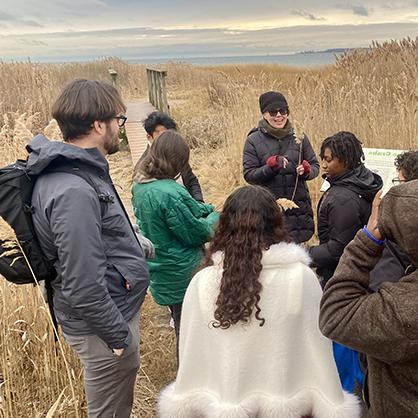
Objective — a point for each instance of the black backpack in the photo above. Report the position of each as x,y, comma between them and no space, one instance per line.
21,259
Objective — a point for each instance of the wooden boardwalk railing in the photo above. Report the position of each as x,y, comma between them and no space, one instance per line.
157,92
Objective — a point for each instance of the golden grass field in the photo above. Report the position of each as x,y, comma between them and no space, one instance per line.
371,93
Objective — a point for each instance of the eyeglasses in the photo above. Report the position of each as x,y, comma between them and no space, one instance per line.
282,111
121,120
396,181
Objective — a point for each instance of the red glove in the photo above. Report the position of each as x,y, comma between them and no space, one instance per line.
306,167
276,162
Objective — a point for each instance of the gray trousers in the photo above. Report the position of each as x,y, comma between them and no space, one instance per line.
109,380
176,315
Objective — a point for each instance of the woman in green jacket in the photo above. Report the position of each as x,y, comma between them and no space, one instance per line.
177,224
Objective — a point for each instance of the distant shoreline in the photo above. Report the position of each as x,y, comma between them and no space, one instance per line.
298,59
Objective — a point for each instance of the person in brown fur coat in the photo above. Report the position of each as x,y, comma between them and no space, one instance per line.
383,325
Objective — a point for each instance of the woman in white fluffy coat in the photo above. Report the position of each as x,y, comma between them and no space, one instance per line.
250,346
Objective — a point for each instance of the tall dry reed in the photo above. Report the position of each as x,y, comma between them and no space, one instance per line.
372,93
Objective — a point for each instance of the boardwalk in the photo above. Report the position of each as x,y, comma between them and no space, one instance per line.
136,113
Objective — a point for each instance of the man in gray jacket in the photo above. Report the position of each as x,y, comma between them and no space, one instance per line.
84,230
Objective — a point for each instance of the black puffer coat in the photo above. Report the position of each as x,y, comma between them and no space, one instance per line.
258,147
343,209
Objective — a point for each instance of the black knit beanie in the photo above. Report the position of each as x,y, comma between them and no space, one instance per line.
272,100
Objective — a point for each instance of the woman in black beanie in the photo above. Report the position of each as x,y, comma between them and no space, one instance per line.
275,158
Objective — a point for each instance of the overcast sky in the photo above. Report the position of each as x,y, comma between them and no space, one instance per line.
66,29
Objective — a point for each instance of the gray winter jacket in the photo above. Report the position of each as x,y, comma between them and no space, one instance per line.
102,275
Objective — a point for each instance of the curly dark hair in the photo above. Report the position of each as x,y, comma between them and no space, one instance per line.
407,162
346,147
250,222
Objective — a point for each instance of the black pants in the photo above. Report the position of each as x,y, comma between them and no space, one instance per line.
176,315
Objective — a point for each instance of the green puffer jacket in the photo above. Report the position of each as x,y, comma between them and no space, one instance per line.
178,226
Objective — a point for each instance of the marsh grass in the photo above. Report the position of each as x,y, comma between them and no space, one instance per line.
371,93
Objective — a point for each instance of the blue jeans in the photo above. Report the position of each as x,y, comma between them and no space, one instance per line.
348,366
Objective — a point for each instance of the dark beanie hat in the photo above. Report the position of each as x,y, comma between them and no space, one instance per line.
272,100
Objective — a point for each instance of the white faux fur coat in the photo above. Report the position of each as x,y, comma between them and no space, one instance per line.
284,369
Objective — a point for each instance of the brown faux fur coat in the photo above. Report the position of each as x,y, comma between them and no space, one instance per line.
384,325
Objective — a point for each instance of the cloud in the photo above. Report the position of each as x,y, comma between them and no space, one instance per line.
307,15
32,23
132,28
31,42
156,43
6,17
357,9
17,21
360,10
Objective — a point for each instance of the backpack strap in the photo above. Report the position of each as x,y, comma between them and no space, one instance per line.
104,198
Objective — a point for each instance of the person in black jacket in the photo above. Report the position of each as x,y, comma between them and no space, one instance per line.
394,262
275,158
345,207
155,124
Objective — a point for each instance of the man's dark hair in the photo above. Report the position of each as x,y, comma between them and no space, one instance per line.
408,163
346,147
82,102
158,118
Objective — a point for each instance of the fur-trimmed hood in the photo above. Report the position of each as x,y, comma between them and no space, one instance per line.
277,255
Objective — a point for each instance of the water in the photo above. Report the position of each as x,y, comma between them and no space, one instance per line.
301,59
308,59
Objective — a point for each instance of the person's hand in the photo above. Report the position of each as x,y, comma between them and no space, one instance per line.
145,243
277,162
372,223
118,351
303,168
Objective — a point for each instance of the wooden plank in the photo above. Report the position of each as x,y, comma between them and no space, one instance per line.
137,137
165,106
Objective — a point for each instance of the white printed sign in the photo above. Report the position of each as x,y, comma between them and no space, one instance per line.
382,161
